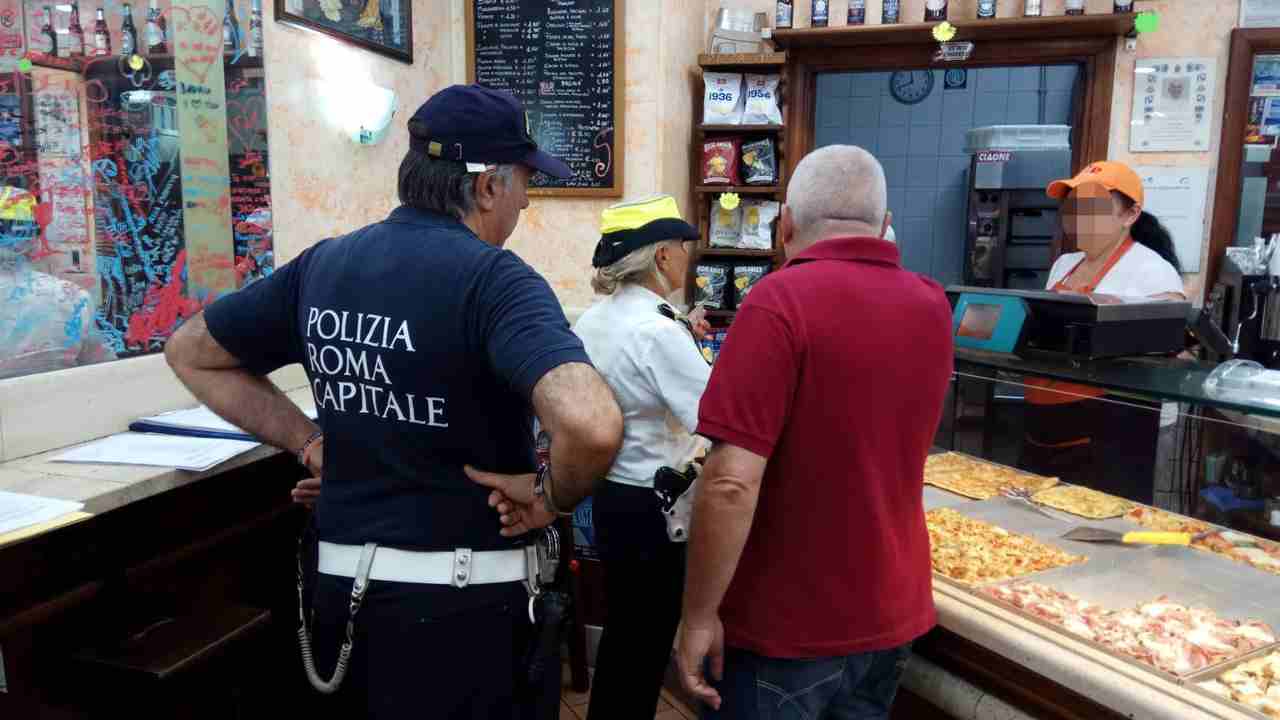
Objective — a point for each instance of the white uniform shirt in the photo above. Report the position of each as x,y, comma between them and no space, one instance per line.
1140,273
657,375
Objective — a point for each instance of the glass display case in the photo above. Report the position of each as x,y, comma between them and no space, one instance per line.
1048,471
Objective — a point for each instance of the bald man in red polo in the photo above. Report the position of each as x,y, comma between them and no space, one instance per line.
809,573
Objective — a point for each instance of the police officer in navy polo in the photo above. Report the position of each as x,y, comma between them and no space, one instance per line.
427,346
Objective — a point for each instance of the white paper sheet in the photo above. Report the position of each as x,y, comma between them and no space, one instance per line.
199,418
175,451
18,510
1259,13
1176,196
1172,104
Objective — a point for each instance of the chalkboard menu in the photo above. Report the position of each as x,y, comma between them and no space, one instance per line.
563,59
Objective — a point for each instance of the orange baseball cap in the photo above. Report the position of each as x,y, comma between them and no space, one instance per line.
1111,175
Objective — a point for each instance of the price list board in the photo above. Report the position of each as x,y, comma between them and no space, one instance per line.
564,60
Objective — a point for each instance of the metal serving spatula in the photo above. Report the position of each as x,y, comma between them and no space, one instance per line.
1093,534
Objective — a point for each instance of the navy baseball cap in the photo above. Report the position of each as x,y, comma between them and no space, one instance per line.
477,124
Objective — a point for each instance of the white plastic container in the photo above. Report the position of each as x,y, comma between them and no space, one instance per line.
1018,137
1244,381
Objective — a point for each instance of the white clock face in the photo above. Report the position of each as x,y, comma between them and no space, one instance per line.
911,86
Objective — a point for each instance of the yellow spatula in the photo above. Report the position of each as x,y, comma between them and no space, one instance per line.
1139,537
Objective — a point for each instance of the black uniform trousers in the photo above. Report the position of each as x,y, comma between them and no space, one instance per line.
643,584
426,651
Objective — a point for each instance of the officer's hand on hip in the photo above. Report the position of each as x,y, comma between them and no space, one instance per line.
306,492
518,508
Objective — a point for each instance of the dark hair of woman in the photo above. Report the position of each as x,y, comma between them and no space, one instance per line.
1148,231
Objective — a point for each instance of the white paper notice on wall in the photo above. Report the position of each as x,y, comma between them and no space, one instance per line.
1259,13
1176,197
1172,104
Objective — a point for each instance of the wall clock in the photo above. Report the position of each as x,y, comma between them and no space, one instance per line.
911,86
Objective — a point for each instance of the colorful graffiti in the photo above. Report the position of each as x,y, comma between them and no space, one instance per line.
131,220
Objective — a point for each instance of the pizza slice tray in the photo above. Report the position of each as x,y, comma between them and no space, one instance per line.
1185,576
1016,516
1193,682
935,497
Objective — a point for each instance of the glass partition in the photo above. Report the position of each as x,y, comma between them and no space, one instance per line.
1183,452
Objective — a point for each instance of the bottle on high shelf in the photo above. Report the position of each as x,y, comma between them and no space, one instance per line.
857,12
986,9
49,39
101,35
75,33
255,29
230,29
1075,7
935,10
1033,8
782,20
157,31
892,12
1124,6
128,33
820,16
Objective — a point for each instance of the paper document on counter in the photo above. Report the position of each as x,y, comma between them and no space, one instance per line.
18,510
175,451
197,422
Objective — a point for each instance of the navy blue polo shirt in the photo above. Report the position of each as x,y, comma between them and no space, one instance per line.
422,345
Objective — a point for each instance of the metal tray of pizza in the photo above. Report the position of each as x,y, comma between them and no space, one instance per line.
938,498
1183,576
1211,676
1017,516
1038,482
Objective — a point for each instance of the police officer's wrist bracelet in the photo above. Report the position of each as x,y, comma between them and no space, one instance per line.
311,440
542,488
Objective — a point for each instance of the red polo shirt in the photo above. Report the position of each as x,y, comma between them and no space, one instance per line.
835,370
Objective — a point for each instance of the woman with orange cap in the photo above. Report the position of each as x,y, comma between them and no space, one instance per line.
1124,253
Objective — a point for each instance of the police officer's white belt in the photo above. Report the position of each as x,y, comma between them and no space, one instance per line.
459,568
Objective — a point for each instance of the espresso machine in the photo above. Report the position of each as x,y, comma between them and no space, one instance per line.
1247,308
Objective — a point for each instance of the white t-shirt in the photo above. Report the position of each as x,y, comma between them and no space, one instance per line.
1140,273
657,374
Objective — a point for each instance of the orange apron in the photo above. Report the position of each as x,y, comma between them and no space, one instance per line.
1041,391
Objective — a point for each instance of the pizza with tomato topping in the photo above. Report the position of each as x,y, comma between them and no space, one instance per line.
972,551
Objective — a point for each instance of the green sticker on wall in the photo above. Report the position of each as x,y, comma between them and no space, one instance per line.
1147,22
24,65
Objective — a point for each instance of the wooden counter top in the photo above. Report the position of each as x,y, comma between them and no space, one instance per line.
103,488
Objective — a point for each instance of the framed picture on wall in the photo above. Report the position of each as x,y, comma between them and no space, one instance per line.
383,26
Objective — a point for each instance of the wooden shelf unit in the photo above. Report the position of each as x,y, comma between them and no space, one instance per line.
723,252
704,196
740,189
1053,27
740,129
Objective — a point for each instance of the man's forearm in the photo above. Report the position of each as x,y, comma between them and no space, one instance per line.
252,403
579,413
722,516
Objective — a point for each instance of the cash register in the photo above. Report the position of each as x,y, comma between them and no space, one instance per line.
1032,323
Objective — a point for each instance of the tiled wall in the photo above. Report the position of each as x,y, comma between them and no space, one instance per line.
922,146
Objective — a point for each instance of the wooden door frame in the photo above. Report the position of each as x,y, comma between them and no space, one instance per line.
1245,44
1091,131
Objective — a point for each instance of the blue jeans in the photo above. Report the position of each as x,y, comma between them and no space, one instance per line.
854,687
